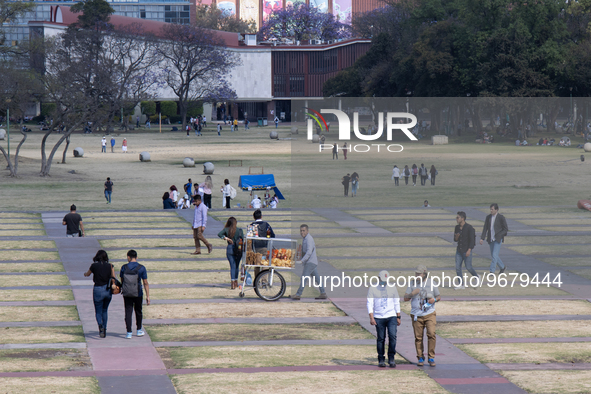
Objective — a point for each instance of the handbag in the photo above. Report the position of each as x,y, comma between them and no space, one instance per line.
114,286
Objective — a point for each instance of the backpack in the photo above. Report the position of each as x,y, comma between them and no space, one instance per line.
406,172
232,193
415,171
237,249
130,287
262,233
423,171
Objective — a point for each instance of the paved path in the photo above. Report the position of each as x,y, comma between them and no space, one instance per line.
113,353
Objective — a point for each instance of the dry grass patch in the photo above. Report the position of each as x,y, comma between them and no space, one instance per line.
550,222
551,382
534,210
50,385
407,230
566,262
393,263
292,231
21,360
27,245
211,310
381,241
177,278
42,334
509,329
443,216
28,255
398,211
553,249
22,233
565,228
36,295
513,307
124,219
136,232
19,215
185,265
268,356
546,240
33,280
579,352
423,223
133,225
38,313
158,214
31,267
149,242
256,332
388,251
187,293
153,254
21,221
332,382
585,273
4,226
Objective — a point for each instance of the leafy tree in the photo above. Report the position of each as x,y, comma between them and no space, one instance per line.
95,13
168,108
9,12
211,17
148,107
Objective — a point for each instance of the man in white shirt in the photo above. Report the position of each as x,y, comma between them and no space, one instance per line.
383,306
256,202
199,223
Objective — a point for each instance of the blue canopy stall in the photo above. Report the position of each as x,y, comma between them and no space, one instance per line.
259,182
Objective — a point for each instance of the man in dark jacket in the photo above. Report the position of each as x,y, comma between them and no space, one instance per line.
465,236
494,231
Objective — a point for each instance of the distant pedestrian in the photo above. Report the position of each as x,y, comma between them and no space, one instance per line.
246,123
465,236
383,306
137,122
345,148
424,174
426,204
220,128
235,124
276,120
102,271
112,144
345,183
310,263
494,231
227,193
108,190
104,145
206,186
132,275
73,223
204,121
414,172
124,145
335,151
188,129
354,184
188,187
406,173
396,175
148,123
433,171
199,224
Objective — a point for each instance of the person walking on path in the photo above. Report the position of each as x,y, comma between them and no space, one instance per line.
396,175
104,145
465,236
406,173
235,238
73,223
415,172
102,271
199,224
108,190
494,231
383,306
433,171
345,148
235,124
137,122
423,173
422,295
132,275
276,120
124,145
354,184
112,144
310,262
227,193
246,123
220,128
345,182
335,151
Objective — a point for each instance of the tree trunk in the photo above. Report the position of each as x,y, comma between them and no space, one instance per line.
18,148
10,167
43,156
66,150
46,163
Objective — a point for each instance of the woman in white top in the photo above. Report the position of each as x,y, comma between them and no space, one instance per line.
256,202
206,186
396,175
274,201
227,191
174,195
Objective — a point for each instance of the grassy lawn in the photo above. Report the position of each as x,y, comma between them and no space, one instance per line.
195,292
5,226
155,242
33,280
388,251
217,253
28,255
407,211
511,307
31,267
131,225
551,382
168,231
332,382
509,329
38,313
50,385
566,262
381,241
450,224
4,215
36,295
21,233
24,221
184,265
585,273
20,360
210,310
546,240
530,352
553,249
158,278
256,332
27,245
42,335
410,262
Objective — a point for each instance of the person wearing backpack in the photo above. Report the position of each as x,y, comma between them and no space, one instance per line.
423,173
235,238
132,275
406,173
264,231
102,272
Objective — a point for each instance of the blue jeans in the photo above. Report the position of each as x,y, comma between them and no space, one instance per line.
233,263
310,270
495,248
354,188
461,257
104,149
108,196
102,299
391,324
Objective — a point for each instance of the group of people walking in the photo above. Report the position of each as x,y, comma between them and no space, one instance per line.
172,199
413,172
113,142
353,179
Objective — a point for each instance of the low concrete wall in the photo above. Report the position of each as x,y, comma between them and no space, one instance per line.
439,140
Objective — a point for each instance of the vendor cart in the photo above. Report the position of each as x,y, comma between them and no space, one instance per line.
270,256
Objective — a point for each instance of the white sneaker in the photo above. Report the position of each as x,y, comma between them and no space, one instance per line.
459,288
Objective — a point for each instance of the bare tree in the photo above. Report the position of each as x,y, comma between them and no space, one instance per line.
197,65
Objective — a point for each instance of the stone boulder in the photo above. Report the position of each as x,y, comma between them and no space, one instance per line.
273,135
188,162
294,130
2,134
208,168
78,152
315,138
145,156
587,146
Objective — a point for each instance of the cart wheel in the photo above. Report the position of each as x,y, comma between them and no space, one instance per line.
241,294
267,289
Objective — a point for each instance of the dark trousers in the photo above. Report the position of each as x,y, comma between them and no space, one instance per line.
396,180
391,324
346,189
207,200
228,202
414,179
433,180
406,180
423,180
131,304
335,154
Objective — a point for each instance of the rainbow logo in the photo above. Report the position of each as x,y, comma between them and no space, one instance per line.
315,115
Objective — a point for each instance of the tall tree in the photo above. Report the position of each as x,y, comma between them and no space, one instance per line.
10,11
197,65
94,13
214,18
